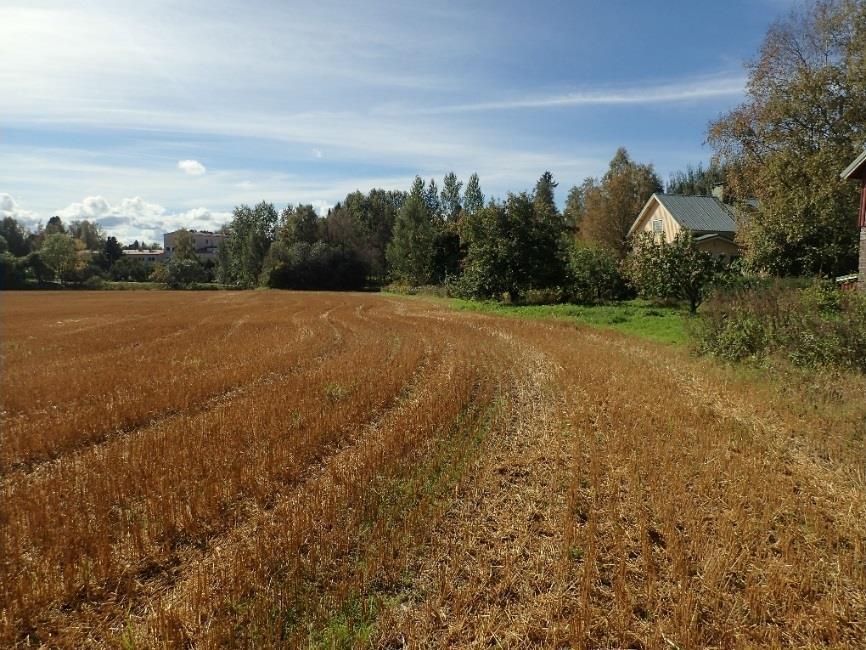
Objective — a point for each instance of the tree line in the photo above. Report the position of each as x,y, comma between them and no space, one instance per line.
778,155
448,234
71,253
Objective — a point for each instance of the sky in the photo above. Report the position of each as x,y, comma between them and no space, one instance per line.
147,116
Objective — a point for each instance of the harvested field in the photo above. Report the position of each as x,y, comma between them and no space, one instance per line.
288,469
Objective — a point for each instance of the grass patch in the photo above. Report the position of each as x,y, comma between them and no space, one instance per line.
353,626
132,286
401,510
634,317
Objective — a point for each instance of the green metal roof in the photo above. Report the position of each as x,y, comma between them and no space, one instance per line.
700,213
854,167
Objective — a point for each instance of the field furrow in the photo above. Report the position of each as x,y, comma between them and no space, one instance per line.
337,470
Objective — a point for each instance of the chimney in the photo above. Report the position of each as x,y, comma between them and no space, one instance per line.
719,192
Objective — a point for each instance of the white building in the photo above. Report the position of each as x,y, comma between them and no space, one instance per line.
206,243
145,255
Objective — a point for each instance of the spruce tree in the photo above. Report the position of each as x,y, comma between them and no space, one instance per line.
543,196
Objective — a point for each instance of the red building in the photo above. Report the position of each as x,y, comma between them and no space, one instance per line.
857,170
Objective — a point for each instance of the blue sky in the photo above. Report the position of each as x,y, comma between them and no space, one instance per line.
151,115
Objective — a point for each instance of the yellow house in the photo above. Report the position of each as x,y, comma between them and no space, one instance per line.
712,223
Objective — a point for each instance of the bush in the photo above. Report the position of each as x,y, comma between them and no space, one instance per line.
11,271
316,266
595,276
159,273
549,296
814,326
127,269
677,269
81,274
93,282
184,273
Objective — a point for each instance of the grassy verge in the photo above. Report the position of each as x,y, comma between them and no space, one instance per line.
635,317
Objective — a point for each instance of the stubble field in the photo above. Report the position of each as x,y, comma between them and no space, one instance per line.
293,470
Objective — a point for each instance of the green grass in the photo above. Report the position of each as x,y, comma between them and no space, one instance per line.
110,285
635,317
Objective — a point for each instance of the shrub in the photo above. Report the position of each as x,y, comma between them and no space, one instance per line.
130,270
549,296
316,266
595,276
11,271
182,273
814,326
677,269
81,273
93,282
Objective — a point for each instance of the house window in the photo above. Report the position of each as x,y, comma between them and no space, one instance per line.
658,229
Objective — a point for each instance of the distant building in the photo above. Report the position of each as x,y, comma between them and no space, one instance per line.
857,171
206,243
712,223
145,255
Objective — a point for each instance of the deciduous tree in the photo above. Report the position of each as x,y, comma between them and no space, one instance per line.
15,235
803,121
611,205
511,248
59,254
88,233
450,198
473,197
410,253
184,246
252,231
677,269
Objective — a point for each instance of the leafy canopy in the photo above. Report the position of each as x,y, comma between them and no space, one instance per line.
671,270
803,121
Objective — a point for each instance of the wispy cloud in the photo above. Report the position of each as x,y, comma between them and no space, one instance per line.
115,100
664,93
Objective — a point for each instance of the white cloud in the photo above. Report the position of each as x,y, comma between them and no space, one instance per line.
191,167
135,218
321,207
165,80
76,172
9,208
